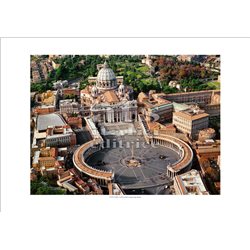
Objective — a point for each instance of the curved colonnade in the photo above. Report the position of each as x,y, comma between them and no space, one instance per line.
84,151
181,148
104,177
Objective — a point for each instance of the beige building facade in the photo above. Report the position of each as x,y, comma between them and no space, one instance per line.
190,121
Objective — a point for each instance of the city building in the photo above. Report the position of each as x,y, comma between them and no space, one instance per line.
157,128
47,161
70,180
60,137
155,106
200,97
189,183
46,68
206,134
53,131
47,98
209,100
208,149
35,74
147,60
115,189
68,106
47,121
174,84
213,108
191,121
180,106
70,92
185,58
43,110
40,70
72,120
55,65
60,84
208,155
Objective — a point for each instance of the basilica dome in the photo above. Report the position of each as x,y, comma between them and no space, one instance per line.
106,78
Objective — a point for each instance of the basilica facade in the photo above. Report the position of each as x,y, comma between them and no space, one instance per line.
108,100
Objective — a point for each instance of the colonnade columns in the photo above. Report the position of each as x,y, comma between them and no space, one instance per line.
135,113
110,116
168,173
102,182
126,116
171,174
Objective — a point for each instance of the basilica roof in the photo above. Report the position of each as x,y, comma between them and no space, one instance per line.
110,97
106,73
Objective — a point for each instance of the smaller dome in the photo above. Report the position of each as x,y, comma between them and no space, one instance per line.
121,87
94,91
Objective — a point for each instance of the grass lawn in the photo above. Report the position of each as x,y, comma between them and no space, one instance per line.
216,84
143,69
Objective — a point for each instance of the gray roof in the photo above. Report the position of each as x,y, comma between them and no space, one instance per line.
43,121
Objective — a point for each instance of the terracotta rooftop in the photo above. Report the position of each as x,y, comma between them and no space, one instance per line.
46,158
57,164
53,152
80,181
85,91
155,125
189,116
193,92
170,126
65,176
110,97
142,95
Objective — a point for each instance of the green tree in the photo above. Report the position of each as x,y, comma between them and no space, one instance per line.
58,73
41,186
